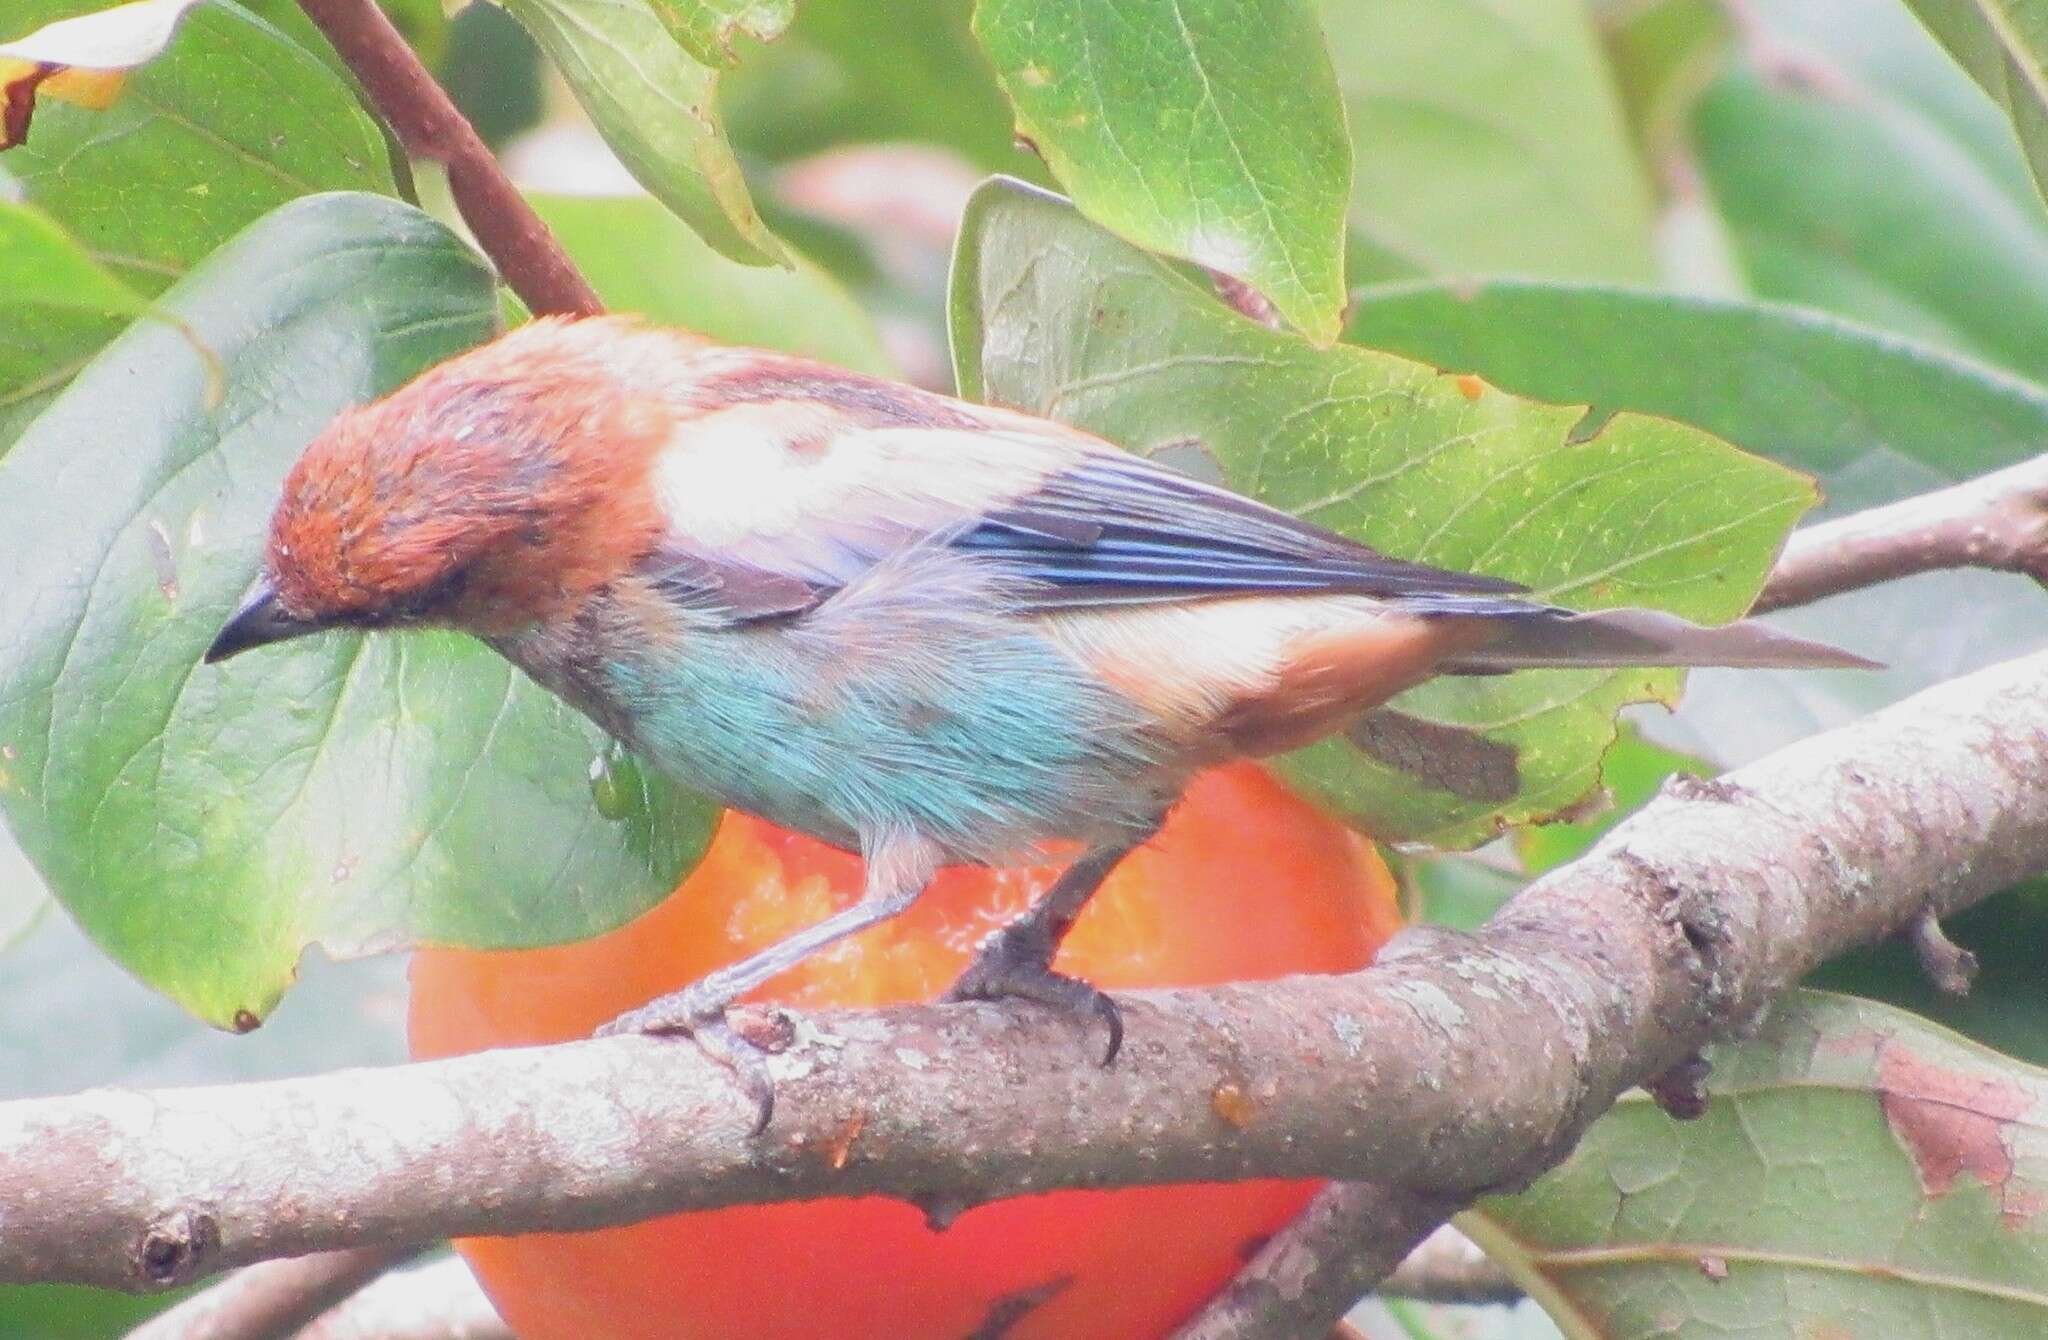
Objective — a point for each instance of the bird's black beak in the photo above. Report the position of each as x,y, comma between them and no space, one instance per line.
260,621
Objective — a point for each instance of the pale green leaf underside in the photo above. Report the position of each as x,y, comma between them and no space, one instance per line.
640,258
657,108
60,305
204,823
2004,46
706,28
1857,202
22,896
1489,139
837,77
1859,1172
1054,315
1210,130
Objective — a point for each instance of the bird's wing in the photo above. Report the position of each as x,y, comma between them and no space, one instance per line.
1116,529
767,503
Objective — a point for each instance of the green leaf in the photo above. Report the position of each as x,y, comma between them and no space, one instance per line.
1833,397
493,71
1840,196
1450,889
1851,45
1877,417
1055,316
1210,130
1630,775
1858,1172
839,75
61,305
42,267
1488,137
706,28
1664,53
640,259
2004,46
424,24
37,358
231,121
74,1312
204,823
658,110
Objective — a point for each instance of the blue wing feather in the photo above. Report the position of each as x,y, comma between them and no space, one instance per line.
1122,530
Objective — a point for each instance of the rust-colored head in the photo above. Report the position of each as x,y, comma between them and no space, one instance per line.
494,492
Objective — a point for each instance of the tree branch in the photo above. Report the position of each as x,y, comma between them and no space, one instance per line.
1312,1272
437,1301
1998,521
1448,1267
429,126
1456,1065
271,1300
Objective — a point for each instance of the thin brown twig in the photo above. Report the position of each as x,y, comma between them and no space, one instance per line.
430,126
1455,1066
1947,964
271,1300
437,1301
1998,521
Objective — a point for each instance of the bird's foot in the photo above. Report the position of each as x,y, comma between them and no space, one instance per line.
1015,964
698,1013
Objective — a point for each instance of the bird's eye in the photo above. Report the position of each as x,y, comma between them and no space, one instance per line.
431,599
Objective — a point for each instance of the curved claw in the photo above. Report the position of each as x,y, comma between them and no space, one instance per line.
748,1064
1112,1018
701,1018
1010,967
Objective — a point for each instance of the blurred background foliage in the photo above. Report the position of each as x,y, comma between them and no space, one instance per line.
1800,225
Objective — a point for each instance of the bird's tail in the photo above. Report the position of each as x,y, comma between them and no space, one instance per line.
1534,636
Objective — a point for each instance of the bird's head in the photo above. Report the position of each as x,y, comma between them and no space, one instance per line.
495,492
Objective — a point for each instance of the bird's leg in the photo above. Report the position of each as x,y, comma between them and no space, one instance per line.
1016,962
897,872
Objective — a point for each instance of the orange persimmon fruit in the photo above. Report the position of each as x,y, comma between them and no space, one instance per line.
1245,881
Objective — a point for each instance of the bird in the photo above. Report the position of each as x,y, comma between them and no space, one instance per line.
928,631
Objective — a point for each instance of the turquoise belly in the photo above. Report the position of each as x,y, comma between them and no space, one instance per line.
973,733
